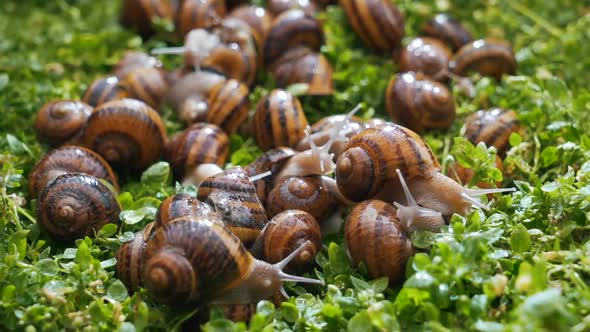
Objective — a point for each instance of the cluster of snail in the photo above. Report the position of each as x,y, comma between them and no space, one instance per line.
229,244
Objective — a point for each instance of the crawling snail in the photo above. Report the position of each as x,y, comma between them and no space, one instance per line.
196,260
427,56
129,258
147,84
181,205
302,65
74,205
448,30
104,89
493,127
487,57
60,121
277,7
228,105
138,14
133,60
259,20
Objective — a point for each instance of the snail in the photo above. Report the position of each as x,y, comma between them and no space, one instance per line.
270,161
259,20
75,205
302,65
291,29
146,84
487,57
427,56
277,7
231,63
367,169
129,259
493,127
133,60
198,14
199,144
60,121
139,14
286,232
233,197
69,159
448,30
127,133
379,23
307,194
104,89
196,260
279,120
419,103
228,105
181,205
375,237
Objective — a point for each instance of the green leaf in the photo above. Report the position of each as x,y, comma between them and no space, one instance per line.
360,323
83,255
338,259
520,240
156,175
117,291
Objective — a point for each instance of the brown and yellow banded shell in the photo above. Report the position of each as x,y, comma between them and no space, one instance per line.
104,89
307,194
415,101
228,105
427,56
378,22
198,14
181,205
191,260
127,133
233,197
201,143
493,127
146,84
69,159
231,63
302,65
291,29
448,30
374,237
75,205
130,259
369,161
487,57
62,120
277,7
272,160
259,20
279,120
138,14
133,60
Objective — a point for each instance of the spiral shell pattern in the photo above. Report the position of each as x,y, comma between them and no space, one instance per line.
130,257
493,127
59,121
487,57
307,194
104,89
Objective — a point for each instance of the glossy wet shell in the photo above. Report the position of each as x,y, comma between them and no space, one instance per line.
259,20
302,65
426,55
74,205
493,127
146,84
62,120
231,63
104,89
272,160
138,14
133,60
448,30
487,57
181,205
229,105
197,14
301,193
69,159
374,237
277,7
130,259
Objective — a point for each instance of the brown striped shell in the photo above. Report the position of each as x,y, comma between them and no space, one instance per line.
426,55
301,193
259,20
201,143
374,122
181,205
415,101
104,89
322,131
228,105
133,60
493,127
291,29
127,133
277,7
369,161
448,30
378,22
69,159
147,84
233,197
272,160
197,14
302,65
487,57
231,63
60,121
374,237
138,14
130,257
75,205
279,120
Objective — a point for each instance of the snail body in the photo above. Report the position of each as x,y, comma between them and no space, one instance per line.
487,57
147,84
74,205
181,205
448,30
60,121
493,127
308,194
129,258
302,65
228,105
104,89
425,55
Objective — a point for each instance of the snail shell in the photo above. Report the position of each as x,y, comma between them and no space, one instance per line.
231,63
493,127
60,121
127,133
487,57
378,22
418,103
104,89
181,205
307,194
277,7
291,29
146,84
228,105
130,257
69,159
75,205
375,122
426,55
302,65
447,29
197,14
374,237
279,120
138,14
272,160
133,60
233,196
259,20
201,143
